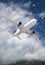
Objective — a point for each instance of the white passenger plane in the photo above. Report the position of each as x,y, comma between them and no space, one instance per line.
23,28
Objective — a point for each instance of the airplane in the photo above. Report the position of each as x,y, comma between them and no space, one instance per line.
23,28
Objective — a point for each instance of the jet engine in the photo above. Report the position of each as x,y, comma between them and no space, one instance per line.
33,32
20,23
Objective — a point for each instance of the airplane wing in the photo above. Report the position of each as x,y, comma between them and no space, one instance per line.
35,37
18,32
15,23
30,23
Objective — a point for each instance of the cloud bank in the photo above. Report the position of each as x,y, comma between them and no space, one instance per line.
42,14
11,48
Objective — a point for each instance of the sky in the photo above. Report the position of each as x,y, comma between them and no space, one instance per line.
28,48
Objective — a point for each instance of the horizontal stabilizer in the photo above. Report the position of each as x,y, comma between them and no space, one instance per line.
18,37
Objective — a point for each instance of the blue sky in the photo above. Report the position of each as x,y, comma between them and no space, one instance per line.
22,10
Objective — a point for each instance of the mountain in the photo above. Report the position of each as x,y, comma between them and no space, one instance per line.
32,62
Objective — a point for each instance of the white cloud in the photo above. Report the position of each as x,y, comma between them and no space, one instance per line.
27,5
42,14
34,5
11,48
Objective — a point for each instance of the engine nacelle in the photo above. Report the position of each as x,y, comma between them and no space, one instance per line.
33,32
20,23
